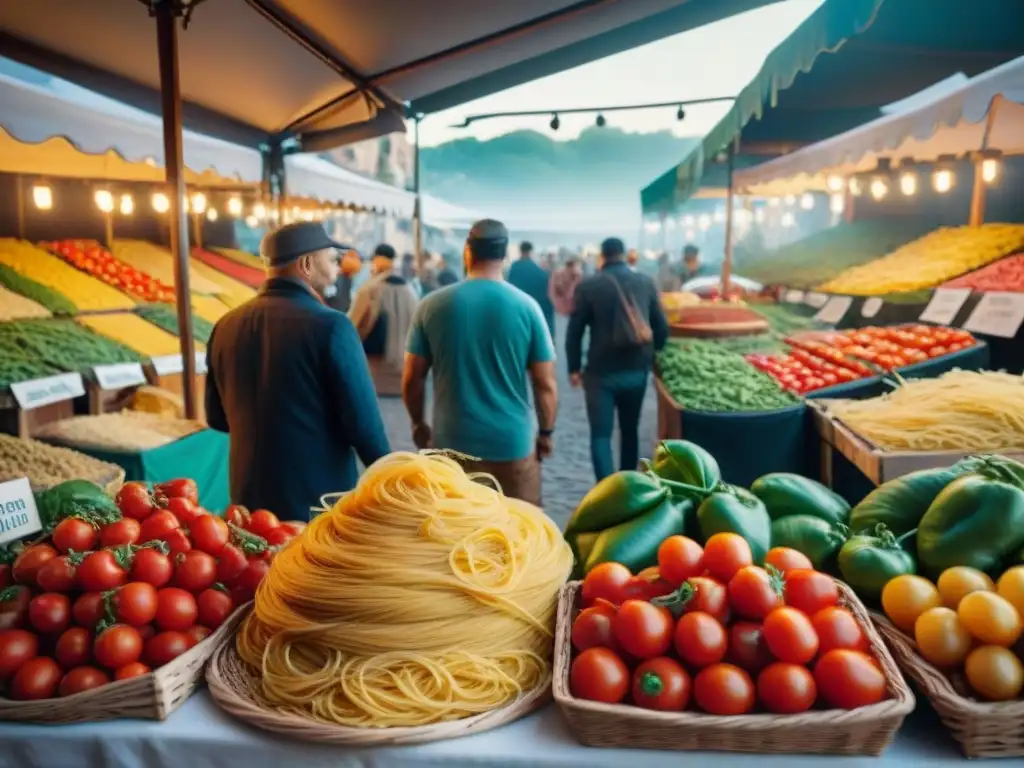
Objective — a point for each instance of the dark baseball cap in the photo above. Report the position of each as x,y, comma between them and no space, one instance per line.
488,229
385,251
283,246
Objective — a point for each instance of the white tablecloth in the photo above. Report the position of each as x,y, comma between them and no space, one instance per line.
201,736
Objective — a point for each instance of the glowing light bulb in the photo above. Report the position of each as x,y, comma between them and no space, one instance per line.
835,183
856,187
760,215
989,170
211,214
774,202
259,210
160,203
879,189
837,203
689,221
198,203
788,219
807,201
908,184
127,206
790,200
235,206
104,200
42,196
942,181
252,221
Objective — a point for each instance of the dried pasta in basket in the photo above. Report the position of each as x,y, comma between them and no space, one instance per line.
128,430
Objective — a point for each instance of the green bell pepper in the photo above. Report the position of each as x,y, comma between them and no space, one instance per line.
635,542
735,510
785,493
684,462
977,520
819,539
616,499
75,498
900,504
868,562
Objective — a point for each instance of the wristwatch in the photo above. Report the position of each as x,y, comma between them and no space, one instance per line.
545,432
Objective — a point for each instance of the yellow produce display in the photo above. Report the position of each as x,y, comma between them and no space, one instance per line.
242,257
158,401
16,307
209,308
930,261
157,262
422,596
85,292
958,582
232,292
125,431
134,332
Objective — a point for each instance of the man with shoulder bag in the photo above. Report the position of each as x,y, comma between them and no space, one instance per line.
627,325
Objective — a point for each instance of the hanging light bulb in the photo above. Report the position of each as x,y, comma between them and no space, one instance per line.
555,122
837,203
942,180
908,184
235,206
856,187
680,113
259,210
990,168
42,196
835,183
160,202
601,122
807,201
791,200
774,202
879,188
788,219
127,206
211,214
104,200
199,203
252,221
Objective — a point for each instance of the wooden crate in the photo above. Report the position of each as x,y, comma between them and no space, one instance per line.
877,464
21,423
175,383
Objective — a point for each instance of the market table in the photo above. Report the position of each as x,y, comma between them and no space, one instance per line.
200,735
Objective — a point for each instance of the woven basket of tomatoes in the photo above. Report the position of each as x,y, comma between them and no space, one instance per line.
713,652
959,640
115,612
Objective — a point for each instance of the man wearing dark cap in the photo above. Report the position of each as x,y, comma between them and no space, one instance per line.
288,380
533,280
627,325
484,341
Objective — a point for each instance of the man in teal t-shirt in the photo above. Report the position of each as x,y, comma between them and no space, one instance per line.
484,341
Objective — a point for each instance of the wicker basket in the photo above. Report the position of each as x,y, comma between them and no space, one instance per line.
235,687
984,729
150,697
865,731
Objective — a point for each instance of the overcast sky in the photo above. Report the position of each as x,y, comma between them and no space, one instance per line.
715,60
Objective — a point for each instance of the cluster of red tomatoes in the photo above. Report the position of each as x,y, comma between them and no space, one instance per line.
93,259
716,629
99,602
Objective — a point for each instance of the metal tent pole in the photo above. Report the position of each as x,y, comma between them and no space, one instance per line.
727,263
417,215
167,12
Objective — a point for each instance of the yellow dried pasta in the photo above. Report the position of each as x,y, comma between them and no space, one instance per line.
157,262
209,308
134,332
233,293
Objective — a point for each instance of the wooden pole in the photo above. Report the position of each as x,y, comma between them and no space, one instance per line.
727,262
19,192
170,99
977,216
417,214
108,228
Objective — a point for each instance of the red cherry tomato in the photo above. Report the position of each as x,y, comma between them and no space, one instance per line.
700,639
253,574
278,537
82,679
152,567
642,629
165,647
661,684
74,534
128,671
849,679
183,509
195,571
135,501
100,571
124,531
16,647
723,689
158,526
50,613
709,596
28,563
181,488
135,603
593,627
810,591
214,606
230,564
786,689
605,582
197,633
790,635
56,575
74,648
176,609
37,678
118,645
89,610
747,647
836,628
178,542
679,559
598,674
293,527
753,593
263,522
238,515
210,534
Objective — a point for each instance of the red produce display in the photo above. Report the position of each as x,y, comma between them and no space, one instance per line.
95,260
1005,275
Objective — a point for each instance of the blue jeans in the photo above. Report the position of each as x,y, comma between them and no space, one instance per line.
606,394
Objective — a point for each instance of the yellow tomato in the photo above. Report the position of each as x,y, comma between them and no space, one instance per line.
941,639
990,618
994,673
907,597
961,580
1011,586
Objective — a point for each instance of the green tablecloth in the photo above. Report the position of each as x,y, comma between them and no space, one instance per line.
202,456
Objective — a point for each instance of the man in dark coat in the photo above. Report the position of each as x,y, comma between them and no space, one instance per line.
289,381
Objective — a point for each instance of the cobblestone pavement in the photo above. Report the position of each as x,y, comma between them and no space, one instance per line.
568,474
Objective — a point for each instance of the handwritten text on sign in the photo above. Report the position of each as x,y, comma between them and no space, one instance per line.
19,516
944,306
119,375
834,310
998,313
53,389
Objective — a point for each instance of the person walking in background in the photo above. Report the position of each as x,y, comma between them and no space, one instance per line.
382,314
341,298
532,279
692,268
447,275
668,276
626,322
563,286
410,274
632,258
287,380
484,340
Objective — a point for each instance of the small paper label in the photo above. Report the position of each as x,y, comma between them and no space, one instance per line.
19,516
944,306
119,376
871,307
793,296
167,365
834,310
53,389
816,300
999,313
200,362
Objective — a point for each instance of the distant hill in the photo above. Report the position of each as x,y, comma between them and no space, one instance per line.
591,183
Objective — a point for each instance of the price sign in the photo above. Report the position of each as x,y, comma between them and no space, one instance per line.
834,310
945,305
119,376
200,362
19,516
816,300
793,296
871,307
167,365
999,313
53,389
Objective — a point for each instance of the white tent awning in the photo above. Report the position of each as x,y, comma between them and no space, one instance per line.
952,124
318,179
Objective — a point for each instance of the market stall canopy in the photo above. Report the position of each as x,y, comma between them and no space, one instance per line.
985,112
321,180
714,183
88,136
440,213
844,63
329,73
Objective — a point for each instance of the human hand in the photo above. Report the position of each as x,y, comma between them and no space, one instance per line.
545,446
575,380
421,435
